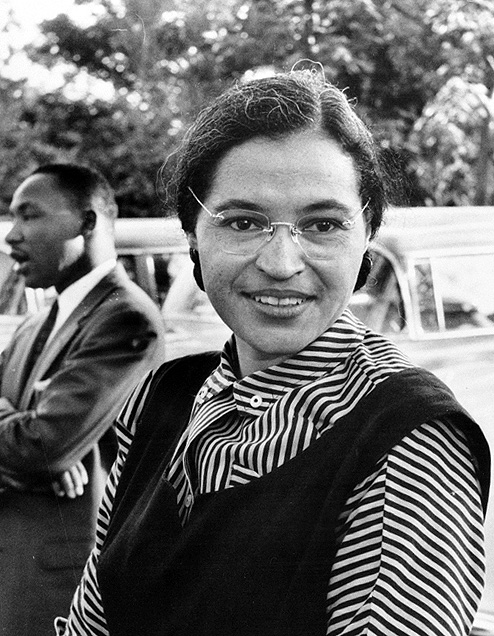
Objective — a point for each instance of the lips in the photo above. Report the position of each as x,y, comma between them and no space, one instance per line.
279,302
21,264
281,299
20,257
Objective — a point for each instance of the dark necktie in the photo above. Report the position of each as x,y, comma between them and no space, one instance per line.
43,335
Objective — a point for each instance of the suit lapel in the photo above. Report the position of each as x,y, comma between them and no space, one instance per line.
67,332
14,376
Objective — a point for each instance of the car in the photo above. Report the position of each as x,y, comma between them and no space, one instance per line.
431,290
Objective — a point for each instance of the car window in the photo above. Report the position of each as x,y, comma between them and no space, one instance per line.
379,304
455,292
150,271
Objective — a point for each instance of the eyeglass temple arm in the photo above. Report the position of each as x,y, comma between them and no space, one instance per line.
218,216
348,223
351,222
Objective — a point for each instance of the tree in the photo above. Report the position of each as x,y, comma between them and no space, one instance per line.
453,139
405,63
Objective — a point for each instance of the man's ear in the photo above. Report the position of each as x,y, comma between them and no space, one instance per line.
88,221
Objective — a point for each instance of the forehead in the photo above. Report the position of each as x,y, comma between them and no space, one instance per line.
297,168
43,192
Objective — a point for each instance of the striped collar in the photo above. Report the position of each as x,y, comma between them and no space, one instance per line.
254,393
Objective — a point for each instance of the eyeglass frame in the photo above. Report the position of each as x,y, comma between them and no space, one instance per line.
295,232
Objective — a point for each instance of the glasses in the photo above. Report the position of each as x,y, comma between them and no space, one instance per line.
245,232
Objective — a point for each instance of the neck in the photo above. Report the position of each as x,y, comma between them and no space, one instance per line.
73,273
80,268
247,362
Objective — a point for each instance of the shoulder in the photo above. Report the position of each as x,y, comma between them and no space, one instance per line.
378,358
160,404
412,395
185,374
117,299
170,391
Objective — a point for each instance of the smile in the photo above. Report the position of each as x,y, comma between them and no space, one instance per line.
279,302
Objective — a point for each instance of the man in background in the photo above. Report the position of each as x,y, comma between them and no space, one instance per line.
63,379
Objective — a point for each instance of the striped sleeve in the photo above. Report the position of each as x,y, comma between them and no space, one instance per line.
86,616
410,554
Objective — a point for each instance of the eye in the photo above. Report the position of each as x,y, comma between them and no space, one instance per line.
27,214
242,221
320,225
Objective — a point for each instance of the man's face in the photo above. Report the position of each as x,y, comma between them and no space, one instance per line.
277,300
45,238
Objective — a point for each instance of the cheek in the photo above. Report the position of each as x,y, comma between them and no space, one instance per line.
217,275
340,274
221,274
218,268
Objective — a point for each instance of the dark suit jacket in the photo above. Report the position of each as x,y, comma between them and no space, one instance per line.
63,413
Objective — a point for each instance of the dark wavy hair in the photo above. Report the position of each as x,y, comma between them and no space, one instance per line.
274,107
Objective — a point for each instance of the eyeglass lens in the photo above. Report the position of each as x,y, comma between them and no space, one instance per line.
244,232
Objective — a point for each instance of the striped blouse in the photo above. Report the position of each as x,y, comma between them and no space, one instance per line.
410,539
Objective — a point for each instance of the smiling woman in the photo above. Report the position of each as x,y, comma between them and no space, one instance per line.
300,481
276,297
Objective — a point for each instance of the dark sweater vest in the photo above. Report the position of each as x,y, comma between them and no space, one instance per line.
253,560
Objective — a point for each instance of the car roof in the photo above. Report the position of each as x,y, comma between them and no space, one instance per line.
158,234
134,236
437,230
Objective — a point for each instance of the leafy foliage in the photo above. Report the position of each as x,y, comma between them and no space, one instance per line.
421,74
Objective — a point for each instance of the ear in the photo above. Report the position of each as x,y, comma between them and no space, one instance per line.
192,240
88,221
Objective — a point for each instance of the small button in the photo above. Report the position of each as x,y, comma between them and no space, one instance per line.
256,401
188,501
202,393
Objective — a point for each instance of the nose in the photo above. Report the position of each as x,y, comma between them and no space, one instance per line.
281,257
14,235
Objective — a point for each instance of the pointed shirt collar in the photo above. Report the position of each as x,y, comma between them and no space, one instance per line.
254,393
71,297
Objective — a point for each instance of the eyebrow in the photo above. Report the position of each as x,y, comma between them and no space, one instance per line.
329,204
238,203
229,204
317,206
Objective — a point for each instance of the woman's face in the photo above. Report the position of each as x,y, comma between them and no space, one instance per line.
277,300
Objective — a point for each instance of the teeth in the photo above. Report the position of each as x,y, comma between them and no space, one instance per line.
278,302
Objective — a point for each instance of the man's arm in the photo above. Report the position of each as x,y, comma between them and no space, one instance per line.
81,399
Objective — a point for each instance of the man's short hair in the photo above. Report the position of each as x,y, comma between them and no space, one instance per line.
87,186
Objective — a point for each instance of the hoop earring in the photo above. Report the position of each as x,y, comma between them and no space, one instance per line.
194,256
364,271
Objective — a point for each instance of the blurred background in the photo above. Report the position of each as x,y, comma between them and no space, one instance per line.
116,82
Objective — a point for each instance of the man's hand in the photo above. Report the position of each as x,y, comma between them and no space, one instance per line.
71,483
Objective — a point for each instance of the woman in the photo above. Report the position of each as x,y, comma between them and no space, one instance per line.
309,480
